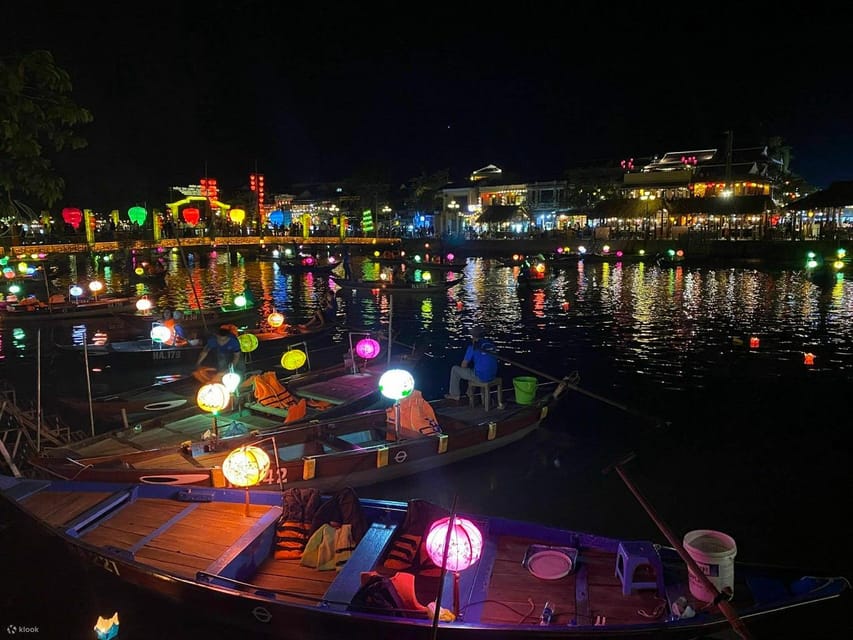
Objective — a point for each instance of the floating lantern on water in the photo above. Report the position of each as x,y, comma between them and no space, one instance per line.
565,306
107,628
459,304
293,359
808,359
248,342
246,467
275,319
753,342
368,348
454,547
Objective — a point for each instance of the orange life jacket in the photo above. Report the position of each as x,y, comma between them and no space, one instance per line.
416,414
271,393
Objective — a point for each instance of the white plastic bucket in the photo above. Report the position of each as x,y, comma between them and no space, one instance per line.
714,552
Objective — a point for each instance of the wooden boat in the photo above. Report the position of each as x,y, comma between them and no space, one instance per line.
67,312
457,267
231,557
209,318
306,264
414,288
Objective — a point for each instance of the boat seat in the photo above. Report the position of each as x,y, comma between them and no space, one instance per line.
485,389
638,556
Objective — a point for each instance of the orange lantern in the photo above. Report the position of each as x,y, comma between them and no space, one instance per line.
808,359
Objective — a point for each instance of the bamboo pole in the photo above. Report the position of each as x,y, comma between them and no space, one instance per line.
724,605
38,391
88,381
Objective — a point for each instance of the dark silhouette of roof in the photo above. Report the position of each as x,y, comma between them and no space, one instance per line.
838,195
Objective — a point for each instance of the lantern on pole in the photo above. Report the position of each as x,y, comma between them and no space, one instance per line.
246,467
396,384
213,398
367,348
454,547
275,319
293,359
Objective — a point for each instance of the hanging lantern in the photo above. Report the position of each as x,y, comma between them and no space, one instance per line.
248,342
275,319
191,215
213,397
237,215
455,548
368,348
72,216
246,466
137,215
231,380
161,333
293,359
396,384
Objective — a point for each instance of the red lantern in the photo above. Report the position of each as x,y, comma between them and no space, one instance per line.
72,216
808,359
753,342
191,216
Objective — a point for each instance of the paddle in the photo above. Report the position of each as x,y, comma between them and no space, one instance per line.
567,383
725,607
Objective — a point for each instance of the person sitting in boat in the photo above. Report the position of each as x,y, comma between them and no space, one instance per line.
227,349
479,364
178,335
325,314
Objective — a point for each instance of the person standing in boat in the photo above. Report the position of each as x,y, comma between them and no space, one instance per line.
479,364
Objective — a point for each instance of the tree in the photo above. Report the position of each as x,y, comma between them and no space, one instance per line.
37,118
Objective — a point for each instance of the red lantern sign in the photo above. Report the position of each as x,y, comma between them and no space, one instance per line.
72,216
191,216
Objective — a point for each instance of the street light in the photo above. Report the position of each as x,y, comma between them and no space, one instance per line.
454,208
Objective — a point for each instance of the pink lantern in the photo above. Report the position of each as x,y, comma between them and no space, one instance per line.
73,216
191,215
368,348
454,547
450,257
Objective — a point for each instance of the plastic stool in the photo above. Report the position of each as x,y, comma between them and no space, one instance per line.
630,557
486,389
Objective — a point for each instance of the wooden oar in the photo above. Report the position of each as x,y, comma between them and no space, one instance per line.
566,383
724,605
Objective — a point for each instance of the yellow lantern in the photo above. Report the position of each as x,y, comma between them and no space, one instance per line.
293,359
246,467
275,319
237,215
212,397
248,342
144,305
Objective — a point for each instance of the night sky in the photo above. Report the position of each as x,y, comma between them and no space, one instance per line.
327,92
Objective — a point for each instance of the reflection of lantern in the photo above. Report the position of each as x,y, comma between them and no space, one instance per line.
455,548
144,305
368,348
396,384
237,215
248,342
23,266
293,359
275,319
72,216
137,215
246,467
139,271
191,215
161,333
426,276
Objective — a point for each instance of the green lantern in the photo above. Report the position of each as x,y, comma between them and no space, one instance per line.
137,215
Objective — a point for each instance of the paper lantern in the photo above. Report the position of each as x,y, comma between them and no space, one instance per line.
237,215
275,319
213,397
161,333
191,215
240,300
96,286
276,217
246,466
455,547
231,380
396,384
248,342
426,276
293,359
8,273
76,290
450,257
368,348
753,342
107,628
139,271
72,216
143,304
137,215
808,359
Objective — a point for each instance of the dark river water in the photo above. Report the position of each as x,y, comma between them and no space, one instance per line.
731,387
